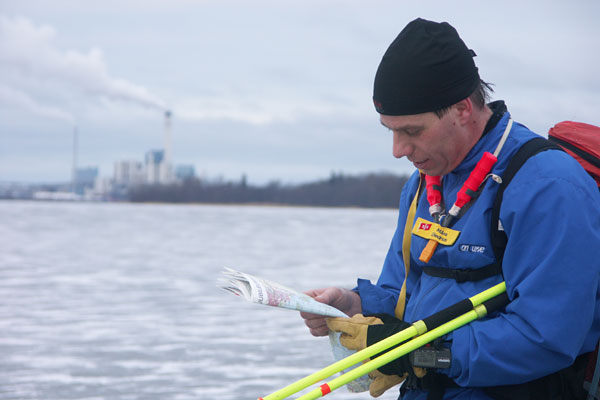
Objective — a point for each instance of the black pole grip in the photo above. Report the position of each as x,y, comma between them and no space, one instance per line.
448,314
496,303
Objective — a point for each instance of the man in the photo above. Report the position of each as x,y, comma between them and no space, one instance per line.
429,95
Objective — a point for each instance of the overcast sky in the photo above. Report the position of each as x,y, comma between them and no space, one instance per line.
276,90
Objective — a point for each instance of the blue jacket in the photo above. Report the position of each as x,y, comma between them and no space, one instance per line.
551,215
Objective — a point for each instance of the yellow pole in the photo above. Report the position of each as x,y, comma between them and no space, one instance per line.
398,352
417,328
342,364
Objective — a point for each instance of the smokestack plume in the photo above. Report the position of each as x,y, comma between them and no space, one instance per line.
30,51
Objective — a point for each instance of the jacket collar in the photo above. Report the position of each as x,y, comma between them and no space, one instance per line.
489,139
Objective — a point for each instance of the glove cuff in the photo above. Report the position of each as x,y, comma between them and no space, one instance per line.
376,333
386,318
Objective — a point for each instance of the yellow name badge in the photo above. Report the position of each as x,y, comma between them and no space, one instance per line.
436,232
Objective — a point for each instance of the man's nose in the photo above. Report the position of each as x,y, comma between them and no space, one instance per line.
401,147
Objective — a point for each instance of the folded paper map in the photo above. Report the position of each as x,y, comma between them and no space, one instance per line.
262,291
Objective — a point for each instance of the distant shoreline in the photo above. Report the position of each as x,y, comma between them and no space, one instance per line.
374,190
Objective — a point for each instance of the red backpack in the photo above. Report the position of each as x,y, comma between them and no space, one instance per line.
582,141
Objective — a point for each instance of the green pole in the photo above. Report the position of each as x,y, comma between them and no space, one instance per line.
398,352
417,328
342,364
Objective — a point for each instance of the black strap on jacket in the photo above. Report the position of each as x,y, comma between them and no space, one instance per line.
595,161
529,149
464,274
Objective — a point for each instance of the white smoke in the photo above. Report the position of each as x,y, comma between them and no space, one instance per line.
29,56
13,97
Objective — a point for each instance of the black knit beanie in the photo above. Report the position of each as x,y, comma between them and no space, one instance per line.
426,68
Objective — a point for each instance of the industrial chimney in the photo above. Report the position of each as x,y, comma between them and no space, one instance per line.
168,169
74,168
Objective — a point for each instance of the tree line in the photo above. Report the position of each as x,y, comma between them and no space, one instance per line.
375,190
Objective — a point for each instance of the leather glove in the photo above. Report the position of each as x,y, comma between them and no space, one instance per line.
400,366
354,330
382,382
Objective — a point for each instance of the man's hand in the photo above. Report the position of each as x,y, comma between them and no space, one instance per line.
344,300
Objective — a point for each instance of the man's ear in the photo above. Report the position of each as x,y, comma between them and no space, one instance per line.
464,110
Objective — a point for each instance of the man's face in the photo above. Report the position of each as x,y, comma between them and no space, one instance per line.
435,146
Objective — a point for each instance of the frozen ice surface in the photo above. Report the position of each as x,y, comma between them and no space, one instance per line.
119,301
